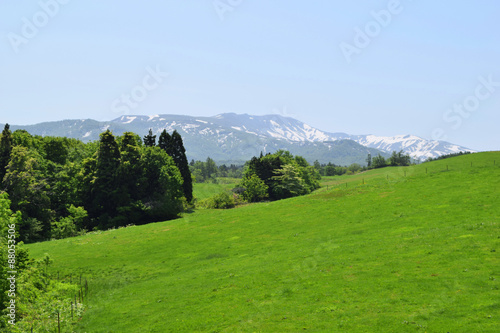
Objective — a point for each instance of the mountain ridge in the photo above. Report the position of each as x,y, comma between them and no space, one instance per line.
231,137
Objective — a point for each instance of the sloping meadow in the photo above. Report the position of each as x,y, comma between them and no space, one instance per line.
396,249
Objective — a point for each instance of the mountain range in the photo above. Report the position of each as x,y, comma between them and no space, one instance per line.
235,138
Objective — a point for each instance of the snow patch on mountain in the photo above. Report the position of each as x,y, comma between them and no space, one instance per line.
129,120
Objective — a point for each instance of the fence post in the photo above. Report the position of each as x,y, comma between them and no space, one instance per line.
58,322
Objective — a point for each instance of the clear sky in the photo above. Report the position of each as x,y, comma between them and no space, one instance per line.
422,67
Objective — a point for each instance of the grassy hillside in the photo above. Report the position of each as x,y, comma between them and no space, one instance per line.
397,254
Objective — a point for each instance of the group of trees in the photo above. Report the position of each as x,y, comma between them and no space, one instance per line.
396,159
277,176
442,157
63,185
208,171
331,169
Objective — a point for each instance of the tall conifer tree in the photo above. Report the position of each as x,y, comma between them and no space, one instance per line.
5,150
173,145
104,191
150,139
183,165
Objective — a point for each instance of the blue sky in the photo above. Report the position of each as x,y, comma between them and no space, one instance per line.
362,67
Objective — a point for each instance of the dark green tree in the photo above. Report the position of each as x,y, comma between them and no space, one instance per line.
130,170
5,150
150,139
129,175
399,159
379,161
162,185
330,169
174,147
369,160
165,142
25,183
105,187
55,149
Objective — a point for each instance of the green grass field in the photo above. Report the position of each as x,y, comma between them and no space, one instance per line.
414,253
206,190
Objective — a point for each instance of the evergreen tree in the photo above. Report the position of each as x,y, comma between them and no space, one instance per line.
105,187
165,142
182,163
5,150
174,147
130,170
369,160
150,139
130,176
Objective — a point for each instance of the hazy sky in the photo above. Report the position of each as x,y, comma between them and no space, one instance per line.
429,68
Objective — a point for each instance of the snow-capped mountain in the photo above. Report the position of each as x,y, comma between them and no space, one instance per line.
415,146
231,137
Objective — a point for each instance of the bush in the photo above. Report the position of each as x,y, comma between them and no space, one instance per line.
255,189
222,200
69,226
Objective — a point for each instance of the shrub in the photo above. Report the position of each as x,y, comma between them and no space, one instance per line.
255,189
69,226
222,200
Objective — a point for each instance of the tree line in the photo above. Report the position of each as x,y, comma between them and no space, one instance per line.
208,171
63,186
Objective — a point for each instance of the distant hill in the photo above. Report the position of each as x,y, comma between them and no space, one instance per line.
235,138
